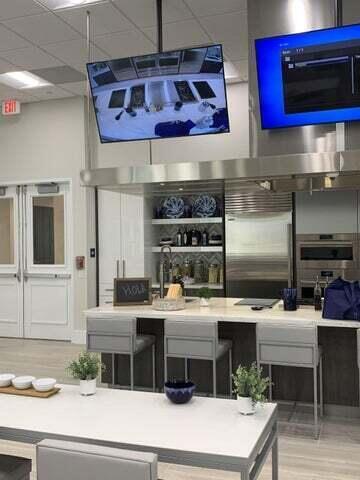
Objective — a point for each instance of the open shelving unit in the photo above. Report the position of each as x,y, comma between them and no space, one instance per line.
210,249
186,221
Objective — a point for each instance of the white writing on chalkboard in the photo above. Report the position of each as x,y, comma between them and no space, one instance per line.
133,290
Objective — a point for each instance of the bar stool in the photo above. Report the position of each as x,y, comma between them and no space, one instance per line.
196,339
292,346
14,468
62,460
118,336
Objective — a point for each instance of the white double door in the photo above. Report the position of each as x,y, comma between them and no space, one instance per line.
35,271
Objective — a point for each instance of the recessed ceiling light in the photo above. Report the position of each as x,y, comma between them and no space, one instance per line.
23,80
63,4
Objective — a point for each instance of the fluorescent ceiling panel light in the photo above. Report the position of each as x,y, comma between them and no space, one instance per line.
63,4
23,80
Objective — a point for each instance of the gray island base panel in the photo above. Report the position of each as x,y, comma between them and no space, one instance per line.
206,432
337,338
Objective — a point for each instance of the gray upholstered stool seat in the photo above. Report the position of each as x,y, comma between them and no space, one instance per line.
196,339
59,460
14,468
119,337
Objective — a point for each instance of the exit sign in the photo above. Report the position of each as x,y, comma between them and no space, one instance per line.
10,107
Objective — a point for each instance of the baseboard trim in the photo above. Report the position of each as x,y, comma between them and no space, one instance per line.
78,337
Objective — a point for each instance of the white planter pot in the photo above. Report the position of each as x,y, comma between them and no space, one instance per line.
245,405
88,387
204,302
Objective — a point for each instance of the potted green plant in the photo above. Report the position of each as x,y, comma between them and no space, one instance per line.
250,387
86,368
205,295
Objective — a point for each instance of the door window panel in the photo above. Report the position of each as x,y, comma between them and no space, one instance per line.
7,231
48,230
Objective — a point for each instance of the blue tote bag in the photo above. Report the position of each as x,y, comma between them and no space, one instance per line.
342,300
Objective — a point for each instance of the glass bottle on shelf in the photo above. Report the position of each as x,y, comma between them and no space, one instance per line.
179,239
194,238
317,295
187,269
205,238
213,273
185,238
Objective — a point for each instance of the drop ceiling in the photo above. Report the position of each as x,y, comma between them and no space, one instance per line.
34,38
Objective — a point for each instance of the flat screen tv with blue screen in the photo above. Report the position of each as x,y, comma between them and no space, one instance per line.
162,95
309,78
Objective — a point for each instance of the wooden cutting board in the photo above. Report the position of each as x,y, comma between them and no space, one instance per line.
29,392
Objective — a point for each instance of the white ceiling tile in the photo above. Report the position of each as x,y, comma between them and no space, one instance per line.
42,29
19,8
125,44
235,50
203,8
73,52
51,92
143,12
231,26
30,58
22,96
180,34
5,66
105,18
77,88
10,40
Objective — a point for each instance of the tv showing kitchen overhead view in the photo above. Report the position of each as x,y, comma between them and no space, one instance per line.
309,78
162,95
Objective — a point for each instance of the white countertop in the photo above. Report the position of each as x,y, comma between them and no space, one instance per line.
204,426
224,310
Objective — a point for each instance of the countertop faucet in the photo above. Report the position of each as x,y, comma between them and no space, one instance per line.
162,268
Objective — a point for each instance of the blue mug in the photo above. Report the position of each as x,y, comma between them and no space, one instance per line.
289,296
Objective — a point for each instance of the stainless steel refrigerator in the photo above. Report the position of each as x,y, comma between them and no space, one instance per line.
259,244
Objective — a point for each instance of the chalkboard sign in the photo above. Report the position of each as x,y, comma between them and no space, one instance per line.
132,291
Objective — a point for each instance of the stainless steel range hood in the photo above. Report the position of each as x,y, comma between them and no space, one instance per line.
287,171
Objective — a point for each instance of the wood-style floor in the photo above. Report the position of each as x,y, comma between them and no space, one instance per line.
334,456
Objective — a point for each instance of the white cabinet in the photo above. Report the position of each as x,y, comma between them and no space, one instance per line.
121,238
327,212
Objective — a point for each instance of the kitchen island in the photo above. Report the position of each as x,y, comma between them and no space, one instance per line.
238,323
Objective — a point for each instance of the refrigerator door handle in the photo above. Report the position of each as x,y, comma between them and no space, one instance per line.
290,253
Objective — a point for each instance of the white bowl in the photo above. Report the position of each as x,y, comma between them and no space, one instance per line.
5,379
22,383
44,384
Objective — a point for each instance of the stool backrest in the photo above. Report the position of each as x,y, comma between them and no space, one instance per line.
191,338
358,347
287,345
59,460
110,335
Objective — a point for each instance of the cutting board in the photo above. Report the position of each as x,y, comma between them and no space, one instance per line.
29,392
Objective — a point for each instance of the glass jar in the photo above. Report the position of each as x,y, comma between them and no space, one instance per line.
187,269
213,273
199,271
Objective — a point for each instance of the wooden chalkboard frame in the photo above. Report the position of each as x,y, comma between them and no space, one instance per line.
118,281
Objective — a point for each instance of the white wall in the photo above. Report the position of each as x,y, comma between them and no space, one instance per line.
47,141
194,149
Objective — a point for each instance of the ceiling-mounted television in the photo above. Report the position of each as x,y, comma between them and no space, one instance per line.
162,95
309,78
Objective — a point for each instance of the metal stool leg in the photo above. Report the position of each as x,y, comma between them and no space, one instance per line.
153,367
230,373
132,371
214,378
321,386
315,403
270,386
165,369
113,369
186,370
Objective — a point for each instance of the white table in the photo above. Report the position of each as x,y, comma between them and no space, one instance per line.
206,432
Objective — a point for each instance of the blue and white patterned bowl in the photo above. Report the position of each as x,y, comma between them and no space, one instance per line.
173,207
179,392
204,206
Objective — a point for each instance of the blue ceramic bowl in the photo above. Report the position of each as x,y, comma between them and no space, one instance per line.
179,392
